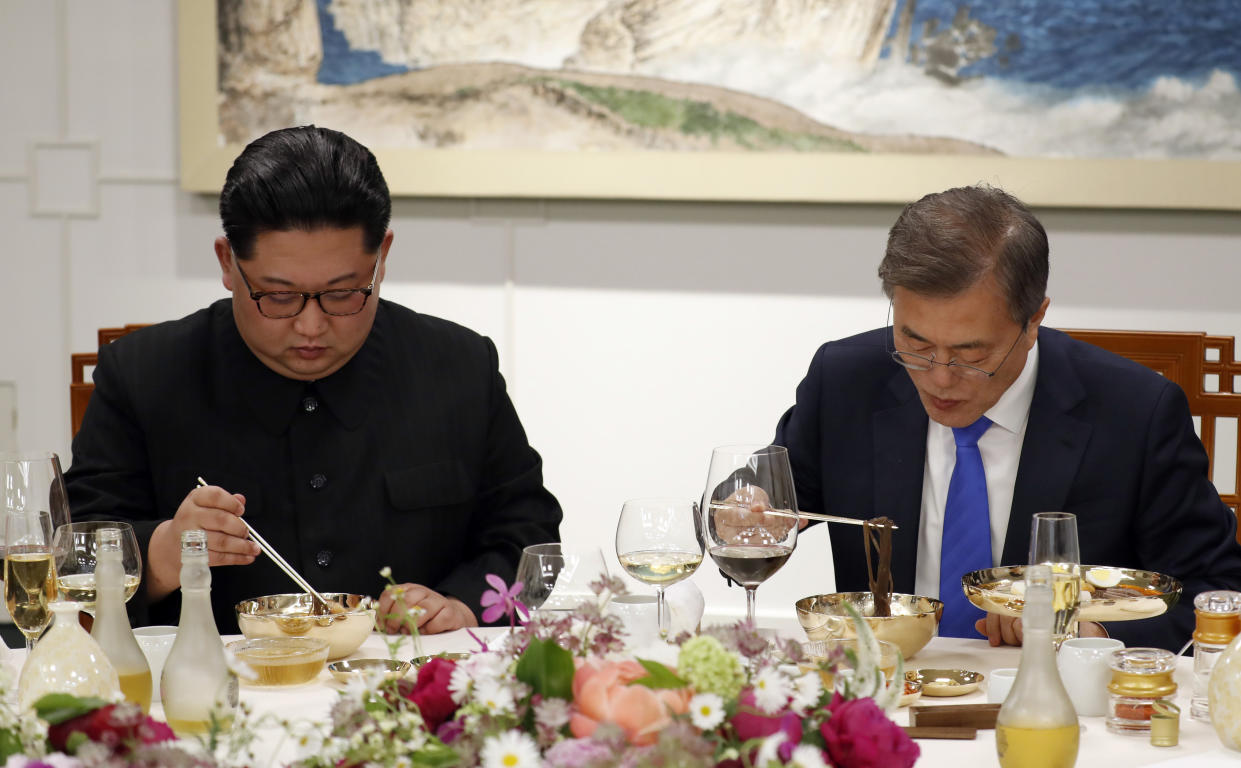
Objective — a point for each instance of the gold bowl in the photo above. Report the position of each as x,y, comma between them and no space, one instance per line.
1136,594
418,661
910,627
832,657
281,660
948,682
295,615
344,671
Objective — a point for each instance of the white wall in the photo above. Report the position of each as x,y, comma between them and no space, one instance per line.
635,336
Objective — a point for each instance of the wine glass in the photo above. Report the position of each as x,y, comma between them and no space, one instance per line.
657,543
29,573
1053,541
556,577
33,480
749,514
74,546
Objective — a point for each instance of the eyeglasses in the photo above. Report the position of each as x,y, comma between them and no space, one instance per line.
916,362
339,302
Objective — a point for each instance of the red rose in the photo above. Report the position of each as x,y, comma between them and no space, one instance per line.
120,729
430,692
860,735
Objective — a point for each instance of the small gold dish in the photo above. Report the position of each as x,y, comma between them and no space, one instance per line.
344,671
281,660
1136,594
948,682
418,661
912,691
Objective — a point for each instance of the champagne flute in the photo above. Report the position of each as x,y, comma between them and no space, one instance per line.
749,511
29,571
1053,541
556,577
74,546
657,543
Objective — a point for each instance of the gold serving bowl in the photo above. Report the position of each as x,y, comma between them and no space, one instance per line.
1136,595
281,660
910,627
344,671
295,615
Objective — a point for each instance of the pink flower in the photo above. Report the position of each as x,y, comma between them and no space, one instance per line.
602,694
751,723
860,735
119,727
430,692
503,601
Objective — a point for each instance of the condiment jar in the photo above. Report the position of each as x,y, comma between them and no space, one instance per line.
1140,677
1218,621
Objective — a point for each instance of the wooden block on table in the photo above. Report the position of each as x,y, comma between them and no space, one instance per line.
941,732
981,716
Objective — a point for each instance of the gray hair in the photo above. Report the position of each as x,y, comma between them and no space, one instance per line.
946,242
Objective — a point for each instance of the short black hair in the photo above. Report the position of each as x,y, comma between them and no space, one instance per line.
948,241
303,178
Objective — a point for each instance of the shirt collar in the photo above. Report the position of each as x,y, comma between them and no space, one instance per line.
1012,410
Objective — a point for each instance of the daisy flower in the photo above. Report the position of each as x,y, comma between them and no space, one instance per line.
510,749
806,756
493,697
771,691
706,711
768,751
807,690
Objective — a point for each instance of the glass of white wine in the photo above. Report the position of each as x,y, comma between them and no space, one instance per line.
29,572
74,546
1053,542
657,543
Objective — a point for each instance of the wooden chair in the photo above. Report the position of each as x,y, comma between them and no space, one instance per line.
81,386
1210,374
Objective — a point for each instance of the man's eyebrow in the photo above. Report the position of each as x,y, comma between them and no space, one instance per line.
333,281
910,333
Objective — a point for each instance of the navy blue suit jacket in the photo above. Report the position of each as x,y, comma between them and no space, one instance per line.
1108,440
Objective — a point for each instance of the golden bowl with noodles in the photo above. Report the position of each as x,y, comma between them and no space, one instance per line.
910,627
343,623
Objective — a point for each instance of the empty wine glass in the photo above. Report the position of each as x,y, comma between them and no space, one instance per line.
556,577
657,543
29,573
33,480
1053,541
749,511
74,546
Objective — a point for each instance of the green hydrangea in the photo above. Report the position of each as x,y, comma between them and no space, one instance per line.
710,668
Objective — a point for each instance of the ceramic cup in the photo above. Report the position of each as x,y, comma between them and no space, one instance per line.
156,642
1083,663
638,614
999,683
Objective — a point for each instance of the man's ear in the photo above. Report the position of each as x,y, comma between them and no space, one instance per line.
1037,319
224,255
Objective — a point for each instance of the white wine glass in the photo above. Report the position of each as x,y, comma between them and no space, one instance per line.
75,545
33,480
749,511
1053,541
657,543
556,577
29,571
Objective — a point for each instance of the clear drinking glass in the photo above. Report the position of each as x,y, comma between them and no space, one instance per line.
1053,541
749,511
29,571
33,480
657,543
74,546
556,577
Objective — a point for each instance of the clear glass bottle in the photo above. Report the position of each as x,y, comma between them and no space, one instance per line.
197,685
1036,726
1218,615
112,629
1140,677
66,660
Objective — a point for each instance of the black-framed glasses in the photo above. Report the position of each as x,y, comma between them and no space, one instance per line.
915,362
279,305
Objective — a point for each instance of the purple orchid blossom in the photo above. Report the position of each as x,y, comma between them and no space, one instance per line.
503,601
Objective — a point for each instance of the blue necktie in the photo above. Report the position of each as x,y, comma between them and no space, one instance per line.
966,544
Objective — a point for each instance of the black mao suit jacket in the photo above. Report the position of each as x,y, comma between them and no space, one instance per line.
410,456
1108,440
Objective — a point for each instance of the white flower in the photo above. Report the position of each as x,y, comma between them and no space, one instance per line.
806,691
385,572
771,691
806,756
511,749
459,684
706,710
767,754
307,737
494,697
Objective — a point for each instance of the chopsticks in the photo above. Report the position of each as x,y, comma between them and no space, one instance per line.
278,560
822,518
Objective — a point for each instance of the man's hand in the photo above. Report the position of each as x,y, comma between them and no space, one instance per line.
1006,630
747,516
215,511
435,613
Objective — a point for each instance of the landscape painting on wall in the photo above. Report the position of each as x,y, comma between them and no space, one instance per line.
1046,93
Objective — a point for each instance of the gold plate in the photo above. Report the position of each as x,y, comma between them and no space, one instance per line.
344,671
418,661
948,682
1138,595
912,690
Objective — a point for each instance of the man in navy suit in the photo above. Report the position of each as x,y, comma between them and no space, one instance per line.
1068,427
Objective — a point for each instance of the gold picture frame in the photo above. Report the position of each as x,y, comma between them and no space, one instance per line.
707,176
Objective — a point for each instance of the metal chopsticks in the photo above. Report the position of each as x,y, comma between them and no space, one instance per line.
823,518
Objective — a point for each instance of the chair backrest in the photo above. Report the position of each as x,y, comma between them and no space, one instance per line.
81,386
1210,374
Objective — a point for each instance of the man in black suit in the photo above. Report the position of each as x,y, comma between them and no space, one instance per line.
879,418
351,432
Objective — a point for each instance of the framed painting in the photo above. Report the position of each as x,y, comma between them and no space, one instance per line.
1063,102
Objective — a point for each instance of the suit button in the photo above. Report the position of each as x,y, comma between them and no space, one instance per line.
318,480
324,558
310,405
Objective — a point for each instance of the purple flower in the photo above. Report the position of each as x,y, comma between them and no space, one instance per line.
502,601
579,753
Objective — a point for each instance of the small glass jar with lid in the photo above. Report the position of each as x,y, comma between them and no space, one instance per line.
1140,677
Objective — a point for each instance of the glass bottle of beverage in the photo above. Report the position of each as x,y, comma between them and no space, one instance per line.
197,687
112,629
1037,726
1218,615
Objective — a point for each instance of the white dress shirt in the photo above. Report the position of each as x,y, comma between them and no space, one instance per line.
1000,447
